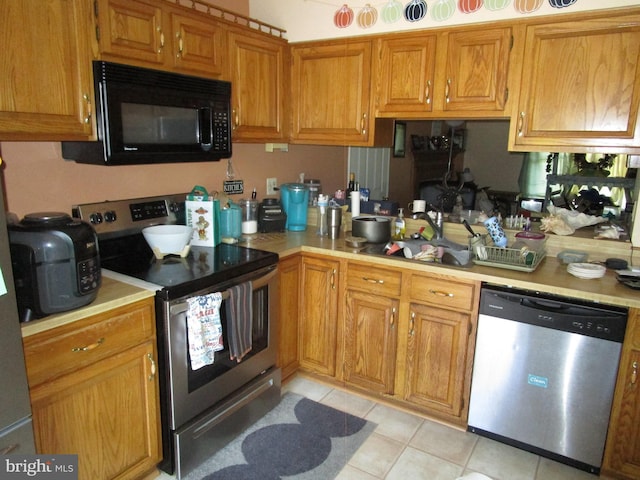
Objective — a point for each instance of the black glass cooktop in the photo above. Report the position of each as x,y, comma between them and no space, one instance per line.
204,266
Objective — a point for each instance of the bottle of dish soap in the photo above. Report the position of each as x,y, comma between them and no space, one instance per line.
399,226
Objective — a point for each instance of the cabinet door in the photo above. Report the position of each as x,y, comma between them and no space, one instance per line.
259,84
370,341
435,358
132,30
319,314
476,71
580,86
289,283
331,93
197,45
622,452
45,73
405,73
107,413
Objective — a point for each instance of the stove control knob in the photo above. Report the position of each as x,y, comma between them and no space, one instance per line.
110,216
95,218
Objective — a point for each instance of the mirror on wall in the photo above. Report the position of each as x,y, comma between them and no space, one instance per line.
479,150
443,158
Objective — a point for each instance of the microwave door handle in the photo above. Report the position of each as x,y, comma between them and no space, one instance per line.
205,120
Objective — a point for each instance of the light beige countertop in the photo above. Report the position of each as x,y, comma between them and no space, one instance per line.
551,275
112,294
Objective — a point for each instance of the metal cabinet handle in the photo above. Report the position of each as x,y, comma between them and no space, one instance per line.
427,93
333,279
236,118
521,124
447,90
392,322
87,348
364,124
180,45
87,101
153,366
634,373
440,293
412,324
159,30
373,280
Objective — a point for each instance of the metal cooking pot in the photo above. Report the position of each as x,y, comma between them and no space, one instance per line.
374,229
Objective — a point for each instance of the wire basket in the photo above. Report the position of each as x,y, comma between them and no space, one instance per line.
524,260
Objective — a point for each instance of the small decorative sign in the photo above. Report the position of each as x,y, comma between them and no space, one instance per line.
233,187
392,11
343,17
416,10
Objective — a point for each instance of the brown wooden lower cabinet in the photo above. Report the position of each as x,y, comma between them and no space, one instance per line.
435,358
408,337
319,307
94,392
289,284
622,451
371,340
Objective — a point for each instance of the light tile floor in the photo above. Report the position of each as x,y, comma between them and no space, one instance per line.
409,447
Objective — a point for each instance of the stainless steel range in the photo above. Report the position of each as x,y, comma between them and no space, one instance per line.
202,408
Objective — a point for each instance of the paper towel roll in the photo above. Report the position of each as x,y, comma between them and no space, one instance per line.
355,204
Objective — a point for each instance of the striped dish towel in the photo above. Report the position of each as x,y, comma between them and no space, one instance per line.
239,310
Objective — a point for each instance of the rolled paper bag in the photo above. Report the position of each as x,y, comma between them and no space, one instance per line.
496,232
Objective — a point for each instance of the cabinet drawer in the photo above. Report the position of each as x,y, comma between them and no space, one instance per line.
443,292
373,280
69,347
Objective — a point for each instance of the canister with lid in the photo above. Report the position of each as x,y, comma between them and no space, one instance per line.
249,216
230,223
315,189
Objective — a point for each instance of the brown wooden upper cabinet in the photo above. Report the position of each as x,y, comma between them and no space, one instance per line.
444,74
331,83
259,71
580,88
45,76
157,35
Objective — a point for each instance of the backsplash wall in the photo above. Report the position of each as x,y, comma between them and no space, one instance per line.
38,179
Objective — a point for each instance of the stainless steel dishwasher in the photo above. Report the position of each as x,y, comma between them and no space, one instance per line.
544,373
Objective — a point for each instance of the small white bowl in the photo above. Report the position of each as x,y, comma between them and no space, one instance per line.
168,239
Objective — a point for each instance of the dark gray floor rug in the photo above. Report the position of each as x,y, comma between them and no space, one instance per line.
299,439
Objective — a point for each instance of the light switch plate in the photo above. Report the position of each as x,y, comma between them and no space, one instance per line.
272,184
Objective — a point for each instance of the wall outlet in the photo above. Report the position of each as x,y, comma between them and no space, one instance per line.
272,184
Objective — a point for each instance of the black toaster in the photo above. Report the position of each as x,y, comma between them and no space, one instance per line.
271,216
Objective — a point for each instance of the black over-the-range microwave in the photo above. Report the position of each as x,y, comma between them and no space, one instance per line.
151,116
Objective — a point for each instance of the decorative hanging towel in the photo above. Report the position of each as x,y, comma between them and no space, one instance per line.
239,310
204,329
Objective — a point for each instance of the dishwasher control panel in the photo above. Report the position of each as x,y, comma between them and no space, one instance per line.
555,312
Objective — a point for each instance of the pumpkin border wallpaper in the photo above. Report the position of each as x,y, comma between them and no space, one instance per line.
413,11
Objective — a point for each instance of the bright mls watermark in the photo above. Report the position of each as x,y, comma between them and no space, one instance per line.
51,467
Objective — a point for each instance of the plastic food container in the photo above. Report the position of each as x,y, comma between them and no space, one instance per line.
572,256
533,240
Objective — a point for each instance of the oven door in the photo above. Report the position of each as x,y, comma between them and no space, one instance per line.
190,392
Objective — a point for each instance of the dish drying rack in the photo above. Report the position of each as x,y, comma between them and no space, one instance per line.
523,259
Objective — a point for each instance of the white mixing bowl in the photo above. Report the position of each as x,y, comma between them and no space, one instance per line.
168,239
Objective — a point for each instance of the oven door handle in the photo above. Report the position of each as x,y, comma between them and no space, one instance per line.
258,283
